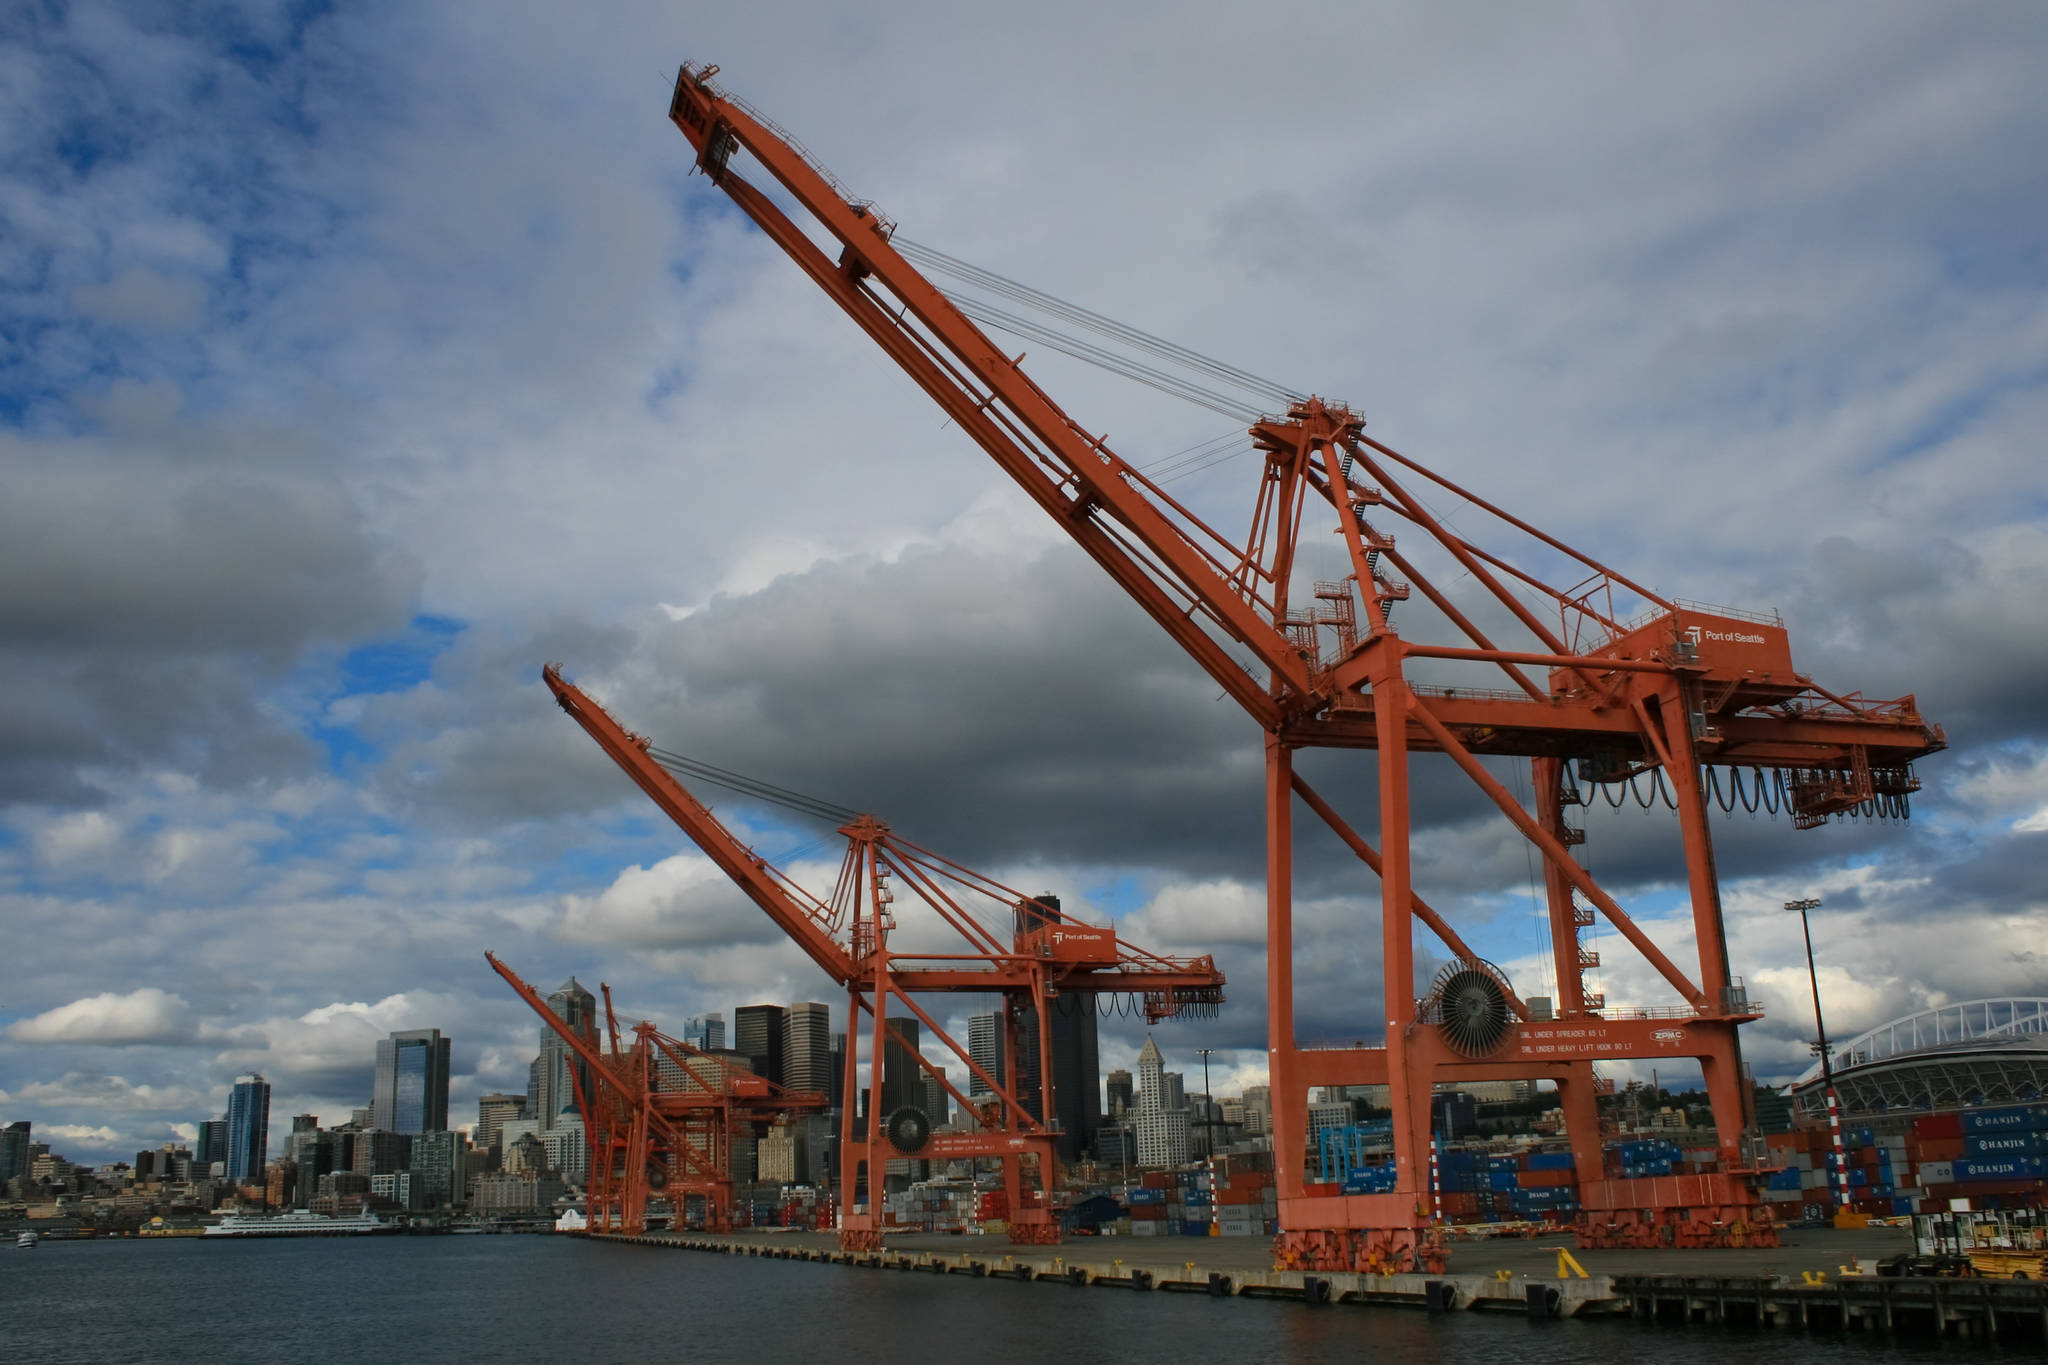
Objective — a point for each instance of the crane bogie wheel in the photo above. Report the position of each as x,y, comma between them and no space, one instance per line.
1468,1004
908,1129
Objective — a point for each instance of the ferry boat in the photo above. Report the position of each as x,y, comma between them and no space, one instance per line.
298,1223
27,1237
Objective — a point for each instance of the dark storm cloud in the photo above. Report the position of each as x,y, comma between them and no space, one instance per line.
156,593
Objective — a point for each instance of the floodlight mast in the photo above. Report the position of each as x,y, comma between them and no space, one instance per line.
1671,698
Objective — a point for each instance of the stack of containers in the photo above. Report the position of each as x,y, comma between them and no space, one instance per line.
1644,1158
1195,1209
1247,1203
1547,1187
1996,1158
1148,1205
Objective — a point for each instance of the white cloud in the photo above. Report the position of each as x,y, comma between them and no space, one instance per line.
679,902
145,1015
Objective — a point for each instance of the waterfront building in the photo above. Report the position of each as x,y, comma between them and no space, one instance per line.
248,1128
757,1032
838,1070
807,1047
705,1031
439,1165
505,1192
553,1082
493,1111
410,1091
1162,1132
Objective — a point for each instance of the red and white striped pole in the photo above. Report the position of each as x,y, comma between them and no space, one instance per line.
1436,1186
1827,1068
1841,1155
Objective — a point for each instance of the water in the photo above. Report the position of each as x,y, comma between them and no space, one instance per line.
472,1299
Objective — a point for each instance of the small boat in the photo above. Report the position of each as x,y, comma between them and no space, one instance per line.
27,1237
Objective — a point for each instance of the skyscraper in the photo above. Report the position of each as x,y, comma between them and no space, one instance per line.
984,1046
248,1128
757,1031
705,1031
938,1105
558,1071
902,1077
410,1093
1120,1092
492,1113
212,1144
807,1047
14,1144
1162,1132
1076,1070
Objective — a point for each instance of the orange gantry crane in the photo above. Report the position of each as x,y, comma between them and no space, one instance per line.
1598,686
1041,956
660,1117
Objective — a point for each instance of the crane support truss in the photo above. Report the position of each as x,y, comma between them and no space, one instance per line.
1582,696
660,1117
1043,955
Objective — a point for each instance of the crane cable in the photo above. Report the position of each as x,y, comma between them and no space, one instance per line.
1213,371
818,809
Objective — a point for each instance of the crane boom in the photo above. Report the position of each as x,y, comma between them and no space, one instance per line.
806,921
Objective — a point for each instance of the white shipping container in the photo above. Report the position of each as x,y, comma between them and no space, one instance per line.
1937,1172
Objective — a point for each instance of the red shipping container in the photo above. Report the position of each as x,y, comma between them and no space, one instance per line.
1938,1126
1546,1180
1940,1149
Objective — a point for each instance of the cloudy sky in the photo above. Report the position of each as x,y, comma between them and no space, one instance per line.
355,361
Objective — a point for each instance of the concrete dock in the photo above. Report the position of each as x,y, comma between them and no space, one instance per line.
1812,1282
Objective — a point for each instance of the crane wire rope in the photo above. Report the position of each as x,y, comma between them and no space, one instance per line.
1017,292
682,765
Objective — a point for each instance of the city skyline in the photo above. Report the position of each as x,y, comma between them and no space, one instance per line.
279,768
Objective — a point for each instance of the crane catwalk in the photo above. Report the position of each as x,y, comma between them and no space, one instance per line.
1599,683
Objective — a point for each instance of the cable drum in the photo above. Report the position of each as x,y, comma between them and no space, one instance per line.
1468,1006
908,1129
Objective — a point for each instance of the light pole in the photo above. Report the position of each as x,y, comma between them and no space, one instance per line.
1839,1180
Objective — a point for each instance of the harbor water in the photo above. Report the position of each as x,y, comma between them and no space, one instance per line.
473,1299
